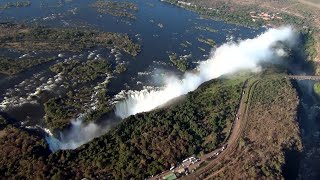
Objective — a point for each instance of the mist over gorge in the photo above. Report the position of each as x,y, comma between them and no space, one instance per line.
159,89
226,59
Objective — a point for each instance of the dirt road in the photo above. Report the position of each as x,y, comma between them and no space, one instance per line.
232,143
208,171
214,161
222,151
317,5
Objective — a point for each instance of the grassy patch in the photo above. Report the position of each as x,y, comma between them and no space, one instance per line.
316,88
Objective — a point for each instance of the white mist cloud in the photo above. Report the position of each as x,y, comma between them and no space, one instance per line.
76,136
226,59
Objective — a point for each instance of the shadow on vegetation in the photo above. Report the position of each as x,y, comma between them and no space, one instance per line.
8,119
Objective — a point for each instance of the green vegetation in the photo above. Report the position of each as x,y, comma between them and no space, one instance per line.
206,29
271,89
316,88
310,45
114,8
14,66
142,145
236,13
103,107
148,143
276,96
170,176
221,11
271,132
120,68
289,19
26,39
78,72
208,41
23,155
59,111
181,63
253,14
16,4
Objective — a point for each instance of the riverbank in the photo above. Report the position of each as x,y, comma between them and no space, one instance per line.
255,14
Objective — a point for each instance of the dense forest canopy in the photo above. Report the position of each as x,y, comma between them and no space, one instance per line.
143,144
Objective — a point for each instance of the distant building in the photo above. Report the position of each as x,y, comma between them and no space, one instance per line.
181,170
184,3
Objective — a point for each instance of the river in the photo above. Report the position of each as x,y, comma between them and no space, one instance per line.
159,27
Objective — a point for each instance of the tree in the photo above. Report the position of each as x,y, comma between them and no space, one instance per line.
316,88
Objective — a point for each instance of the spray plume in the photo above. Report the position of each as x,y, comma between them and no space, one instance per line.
226,59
